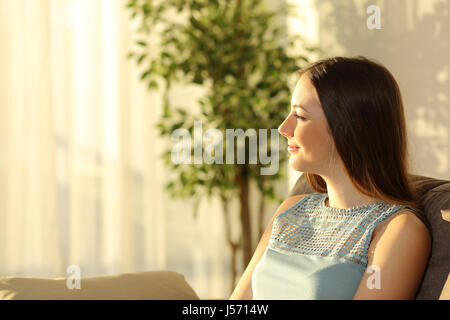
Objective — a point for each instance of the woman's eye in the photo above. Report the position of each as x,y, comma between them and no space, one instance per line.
299,117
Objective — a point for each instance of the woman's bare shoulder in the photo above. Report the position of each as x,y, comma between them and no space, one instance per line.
289,202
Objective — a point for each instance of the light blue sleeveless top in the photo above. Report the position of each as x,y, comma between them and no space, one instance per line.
318,252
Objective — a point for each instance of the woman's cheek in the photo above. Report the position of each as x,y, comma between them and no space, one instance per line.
312,140
302,138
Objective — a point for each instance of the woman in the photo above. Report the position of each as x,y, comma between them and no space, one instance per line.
357,236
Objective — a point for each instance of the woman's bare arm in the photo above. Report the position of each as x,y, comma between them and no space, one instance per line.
398,256
243,290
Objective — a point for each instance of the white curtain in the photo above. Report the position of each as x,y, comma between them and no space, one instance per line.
80,179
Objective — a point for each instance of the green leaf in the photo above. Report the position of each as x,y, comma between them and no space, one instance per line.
182,112
196,24
145,74
183,179
170,185
198,79
141,58
152,85
142,43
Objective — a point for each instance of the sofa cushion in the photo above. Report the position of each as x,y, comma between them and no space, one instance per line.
152,285
434,201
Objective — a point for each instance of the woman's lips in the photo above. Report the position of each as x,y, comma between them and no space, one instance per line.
293,148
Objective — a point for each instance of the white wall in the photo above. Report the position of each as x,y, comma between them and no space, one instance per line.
413,43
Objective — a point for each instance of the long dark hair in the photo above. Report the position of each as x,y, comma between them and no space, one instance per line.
363,106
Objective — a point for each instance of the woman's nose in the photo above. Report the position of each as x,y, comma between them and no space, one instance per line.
286,129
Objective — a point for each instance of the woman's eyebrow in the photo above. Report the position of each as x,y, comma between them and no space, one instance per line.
298,106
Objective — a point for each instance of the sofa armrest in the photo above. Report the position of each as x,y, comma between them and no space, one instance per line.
152,285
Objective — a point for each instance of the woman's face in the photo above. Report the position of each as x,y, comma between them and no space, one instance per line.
305,128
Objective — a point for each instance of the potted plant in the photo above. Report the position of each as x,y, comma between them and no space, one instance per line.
237,51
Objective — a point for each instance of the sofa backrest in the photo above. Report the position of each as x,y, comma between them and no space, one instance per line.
434,201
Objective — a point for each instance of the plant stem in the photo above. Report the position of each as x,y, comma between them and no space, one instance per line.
242,181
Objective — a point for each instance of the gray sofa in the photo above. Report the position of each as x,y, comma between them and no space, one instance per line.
434,201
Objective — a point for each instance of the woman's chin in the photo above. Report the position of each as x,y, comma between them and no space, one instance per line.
293,163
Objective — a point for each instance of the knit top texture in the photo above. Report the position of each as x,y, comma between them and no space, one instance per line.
317,252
